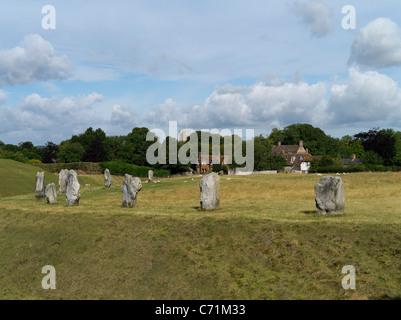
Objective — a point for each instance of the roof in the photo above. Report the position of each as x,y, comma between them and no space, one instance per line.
285,149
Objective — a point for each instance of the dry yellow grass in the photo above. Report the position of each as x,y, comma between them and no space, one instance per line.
266,242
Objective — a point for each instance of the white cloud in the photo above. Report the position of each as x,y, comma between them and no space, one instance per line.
369,97
259,105
33,61
52,115
316,16
3,97
377,45
60,108
123,117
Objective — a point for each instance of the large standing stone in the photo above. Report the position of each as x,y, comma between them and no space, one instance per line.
73,187
40,192
150,176
329,195
130,188
51,193
210,192
62,181
107,179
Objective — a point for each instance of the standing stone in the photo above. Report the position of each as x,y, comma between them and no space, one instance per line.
329,195
150,176
130,188
51,193
210,191
62,181
40,192
73,187
107,179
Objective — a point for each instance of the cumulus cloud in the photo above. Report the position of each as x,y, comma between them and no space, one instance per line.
123,117
368,97
49,114
377,45
3,97
59,108
316,16
259,105
33,61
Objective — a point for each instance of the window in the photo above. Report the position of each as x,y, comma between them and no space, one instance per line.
292,159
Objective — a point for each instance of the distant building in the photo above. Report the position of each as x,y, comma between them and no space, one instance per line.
298,158
353,161
205,163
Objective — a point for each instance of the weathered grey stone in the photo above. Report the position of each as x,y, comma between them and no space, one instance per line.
62,181
73,187
210,191
130,188
51,193
107,179
40,192
329,195
150,176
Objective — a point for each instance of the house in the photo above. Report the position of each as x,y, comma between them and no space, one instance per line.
298,158
206,162
353,161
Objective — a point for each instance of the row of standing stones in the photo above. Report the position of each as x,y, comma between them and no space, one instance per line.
329,191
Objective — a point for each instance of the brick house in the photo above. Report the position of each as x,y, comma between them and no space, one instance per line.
298,158
206,162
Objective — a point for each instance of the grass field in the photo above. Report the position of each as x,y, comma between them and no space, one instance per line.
266,242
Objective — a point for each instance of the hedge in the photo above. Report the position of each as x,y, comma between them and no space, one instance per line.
87,167
354,168
120,168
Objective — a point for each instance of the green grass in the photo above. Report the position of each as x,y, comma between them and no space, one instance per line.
266,242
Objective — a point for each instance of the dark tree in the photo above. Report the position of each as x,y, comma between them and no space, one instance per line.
381,142
96,152
49,153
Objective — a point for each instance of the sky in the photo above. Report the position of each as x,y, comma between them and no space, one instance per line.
237,64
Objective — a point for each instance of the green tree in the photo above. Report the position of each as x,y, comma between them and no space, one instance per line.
71,152
134,150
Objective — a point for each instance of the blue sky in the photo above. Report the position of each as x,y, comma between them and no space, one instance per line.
206,64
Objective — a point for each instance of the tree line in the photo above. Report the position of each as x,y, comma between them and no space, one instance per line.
376,147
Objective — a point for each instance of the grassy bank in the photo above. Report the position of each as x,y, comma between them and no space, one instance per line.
266,242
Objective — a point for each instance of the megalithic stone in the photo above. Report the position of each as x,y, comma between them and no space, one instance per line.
150,176
107,179
40,192
210,192
329,195
51,193
130,188
62,181
73,189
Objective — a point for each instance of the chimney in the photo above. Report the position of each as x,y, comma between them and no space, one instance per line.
301,144
279,143
353,156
